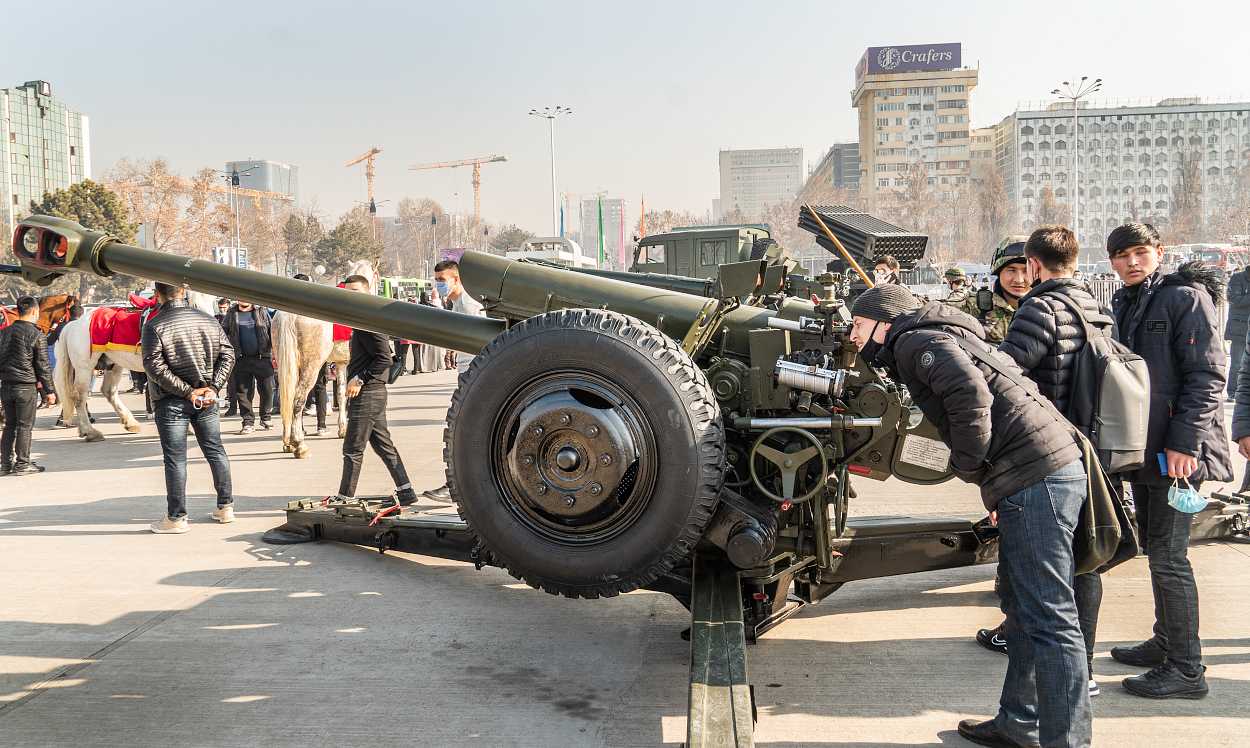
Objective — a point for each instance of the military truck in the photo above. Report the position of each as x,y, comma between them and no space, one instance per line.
699,251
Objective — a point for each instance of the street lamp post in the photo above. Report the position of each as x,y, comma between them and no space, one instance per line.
1076,92
551,114
232,181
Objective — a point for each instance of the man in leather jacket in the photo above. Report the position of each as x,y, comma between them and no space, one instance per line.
188,358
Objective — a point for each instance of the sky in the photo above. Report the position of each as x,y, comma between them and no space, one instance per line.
656,88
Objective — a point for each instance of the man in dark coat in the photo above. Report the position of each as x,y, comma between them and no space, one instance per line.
23,369
1169,319
247,326
1236,327
1044,339
1028,466
366,374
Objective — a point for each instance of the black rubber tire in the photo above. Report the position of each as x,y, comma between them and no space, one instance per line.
672,394
760,247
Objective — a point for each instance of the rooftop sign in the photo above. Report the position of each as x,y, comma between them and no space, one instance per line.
915,57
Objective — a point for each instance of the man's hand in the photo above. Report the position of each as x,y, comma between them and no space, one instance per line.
50,398
1182,465
205,393
353,387
1243,446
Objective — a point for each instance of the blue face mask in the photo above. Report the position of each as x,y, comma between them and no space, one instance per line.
1185,499
443,288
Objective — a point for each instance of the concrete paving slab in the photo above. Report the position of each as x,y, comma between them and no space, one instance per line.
110,635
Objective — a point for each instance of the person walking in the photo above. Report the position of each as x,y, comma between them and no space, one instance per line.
24,370
1235,329
188,358
247,327
1169,319
447,280
1028,465
366,373
1044,339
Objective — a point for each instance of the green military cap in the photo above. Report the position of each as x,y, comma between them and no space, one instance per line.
955,272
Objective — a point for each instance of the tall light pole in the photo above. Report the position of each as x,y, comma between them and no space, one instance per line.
1076,92
551,114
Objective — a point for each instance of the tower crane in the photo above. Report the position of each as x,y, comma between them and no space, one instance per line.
373,206
477,175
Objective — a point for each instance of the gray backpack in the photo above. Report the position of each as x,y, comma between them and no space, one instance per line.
1110,394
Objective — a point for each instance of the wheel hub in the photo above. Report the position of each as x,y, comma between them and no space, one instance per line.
570,459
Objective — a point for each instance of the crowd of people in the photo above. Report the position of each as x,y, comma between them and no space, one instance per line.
966,363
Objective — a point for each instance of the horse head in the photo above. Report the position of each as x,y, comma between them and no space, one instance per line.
365,268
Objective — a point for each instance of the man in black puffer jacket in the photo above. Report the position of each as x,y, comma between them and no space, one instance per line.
1044,338
1028,466
1169,320
188,359
1236,327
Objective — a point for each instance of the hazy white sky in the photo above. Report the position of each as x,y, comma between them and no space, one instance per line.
657,88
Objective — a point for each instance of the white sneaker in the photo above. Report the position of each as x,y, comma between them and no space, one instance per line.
224,515
310,411
266,425
248,429
323,432
1093,687
166,526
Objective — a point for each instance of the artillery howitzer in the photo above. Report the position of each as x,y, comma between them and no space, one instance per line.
612,436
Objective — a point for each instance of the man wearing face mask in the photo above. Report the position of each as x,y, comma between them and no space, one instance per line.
886,270
1001,439
1014,281
447,282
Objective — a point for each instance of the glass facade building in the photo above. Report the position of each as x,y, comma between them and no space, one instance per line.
44,146
265,176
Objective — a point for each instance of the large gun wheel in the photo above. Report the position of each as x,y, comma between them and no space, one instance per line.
585,451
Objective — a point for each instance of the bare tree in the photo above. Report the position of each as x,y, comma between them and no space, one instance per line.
1050,212
154,196
1187,199
996,217
913,206
1231,220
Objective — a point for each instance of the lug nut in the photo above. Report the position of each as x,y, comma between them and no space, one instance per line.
564,419
541,488
593,431
537,431
789,463
569,501
595,488
527,460
605,460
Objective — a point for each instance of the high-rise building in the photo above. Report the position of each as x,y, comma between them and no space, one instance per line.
981,152
613,217
913,109
839,167
266,176
749,180
1128,155
44,147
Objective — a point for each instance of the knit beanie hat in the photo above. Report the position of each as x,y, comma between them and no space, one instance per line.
883,303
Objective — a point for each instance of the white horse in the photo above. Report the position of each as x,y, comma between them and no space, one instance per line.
302,346
75,361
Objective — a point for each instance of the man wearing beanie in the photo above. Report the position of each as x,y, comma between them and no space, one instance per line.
1028,466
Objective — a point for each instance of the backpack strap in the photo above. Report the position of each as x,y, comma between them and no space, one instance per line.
989,360
1090,331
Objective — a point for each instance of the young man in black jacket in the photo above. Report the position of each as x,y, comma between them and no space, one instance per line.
1236,327
1169,320
1028,466
247,326
23,369
188,359
371,358
1044,339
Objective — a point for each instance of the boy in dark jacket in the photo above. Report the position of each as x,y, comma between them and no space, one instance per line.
1235,328
1169,320
1044,338
1027,463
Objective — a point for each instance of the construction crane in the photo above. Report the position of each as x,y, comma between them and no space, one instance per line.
477,176
241,191
373,206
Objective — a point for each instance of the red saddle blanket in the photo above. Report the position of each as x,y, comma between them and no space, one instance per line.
342,332
115,330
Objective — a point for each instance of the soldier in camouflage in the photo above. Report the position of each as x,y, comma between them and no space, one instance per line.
1013,281
957,279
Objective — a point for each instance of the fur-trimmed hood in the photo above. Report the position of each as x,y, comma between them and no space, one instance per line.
1196,275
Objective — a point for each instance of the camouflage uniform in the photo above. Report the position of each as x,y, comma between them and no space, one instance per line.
957,296
996,321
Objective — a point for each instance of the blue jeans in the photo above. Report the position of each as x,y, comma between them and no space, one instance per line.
1165,533
1045,695
172,418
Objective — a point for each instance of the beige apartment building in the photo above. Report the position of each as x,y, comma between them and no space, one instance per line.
913,108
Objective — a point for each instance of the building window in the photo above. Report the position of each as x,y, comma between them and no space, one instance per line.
914,123
1061,129
883,183
12,136
1212,124
1095,127
1044,145
883,122
1061,192
913,92
952,104
1095,192
928,90
1043,130
1026,130
1026,162
913,107
1111,127
1026,146
1162,205
1161,188
898,121
928,107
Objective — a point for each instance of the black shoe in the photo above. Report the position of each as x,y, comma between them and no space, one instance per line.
1146,654
266,425
442,494
27,469
230,413
1168,682
987,733
992,639
5,469
406,497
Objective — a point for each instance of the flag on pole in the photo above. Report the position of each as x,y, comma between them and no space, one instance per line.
620,244
601,230
562,219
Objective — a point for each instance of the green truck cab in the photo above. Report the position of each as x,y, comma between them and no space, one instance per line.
698,251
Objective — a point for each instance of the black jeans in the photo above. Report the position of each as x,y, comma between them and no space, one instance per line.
1165,532
172,418
317,396
366,424
245,369
401,355
1088,591
20,403
1236,349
